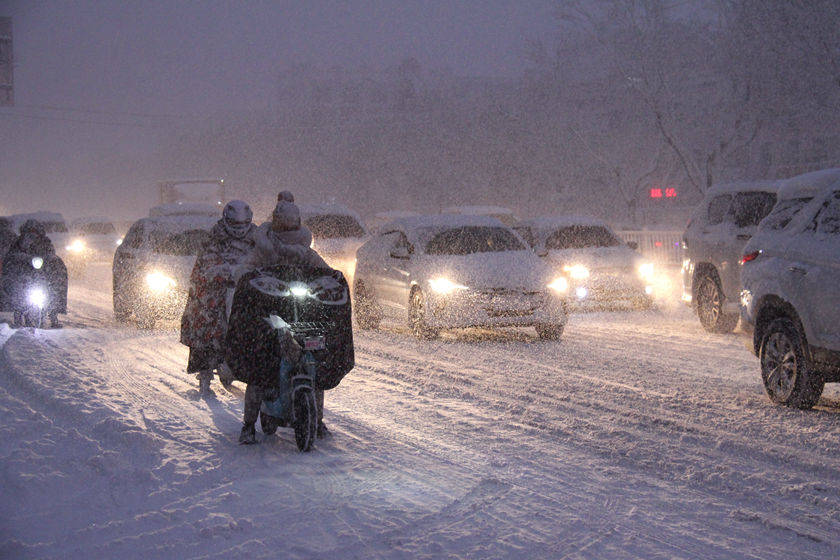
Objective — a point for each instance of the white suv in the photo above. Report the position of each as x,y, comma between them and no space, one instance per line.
713,243
790,272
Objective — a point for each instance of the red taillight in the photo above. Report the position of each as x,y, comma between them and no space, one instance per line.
750,257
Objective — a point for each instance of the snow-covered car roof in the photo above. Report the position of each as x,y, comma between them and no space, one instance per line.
744,186
809,184
42,216
78,222
185,209
309,210
477,210
422,227
556,222
181,223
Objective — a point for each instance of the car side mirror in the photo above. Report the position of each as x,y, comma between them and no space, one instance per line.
400,253
541,252
633,245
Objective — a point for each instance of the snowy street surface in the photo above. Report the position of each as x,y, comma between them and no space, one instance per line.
637,436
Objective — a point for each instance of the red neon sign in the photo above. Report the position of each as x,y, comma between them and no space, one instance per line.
656,193
671,192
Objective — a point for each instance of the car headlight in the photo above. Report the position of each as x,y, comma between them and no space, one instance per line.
77,246
646,271
37,297
576,271
559,285
445,285
159,282
119,241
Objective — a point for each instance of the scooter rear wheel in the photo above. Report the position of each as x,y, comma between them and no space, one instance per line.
306,419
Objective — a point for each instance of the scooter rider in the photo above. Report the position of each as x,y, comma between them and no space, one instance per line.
17,267
218,265
282,241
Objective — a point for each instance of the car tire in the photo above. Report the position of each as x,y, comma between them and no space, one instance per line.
550,332
710,307
788,376
368,314
417,316
122,311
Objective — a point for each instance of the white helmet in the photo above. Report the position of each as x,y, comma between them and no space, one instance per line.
237,217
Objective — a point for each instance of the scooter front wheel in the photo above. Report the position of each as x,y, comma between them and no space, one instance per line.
305,419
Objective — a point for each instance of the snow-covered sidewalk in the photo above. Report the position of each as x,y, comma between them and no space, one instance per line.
637,436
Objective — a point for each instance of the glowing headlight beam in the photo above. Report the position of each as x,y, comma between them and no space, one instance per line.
576,271
299,289
560,285
77,246
646,271
445,285
159,282
37,263
37,297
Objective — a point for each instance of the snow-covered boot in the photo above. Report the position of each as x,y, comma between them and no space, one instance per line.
225,376
322,430
204,382
248,435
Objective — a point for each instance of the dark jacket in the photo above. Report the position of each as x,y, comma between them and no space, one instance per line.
18,273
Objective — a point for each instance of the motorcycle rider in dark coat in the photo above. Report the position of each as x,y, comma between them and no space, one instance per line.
217,267
17,268
282,241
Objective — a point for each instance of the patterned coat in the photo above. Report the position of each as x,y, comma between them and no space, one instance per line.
204,322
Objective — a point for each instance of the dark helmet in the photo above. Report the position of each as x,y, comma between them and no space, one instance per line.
285,196
33,226
237,217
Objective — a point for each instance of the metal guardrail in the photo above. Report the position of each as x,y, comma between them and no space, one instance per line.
659,246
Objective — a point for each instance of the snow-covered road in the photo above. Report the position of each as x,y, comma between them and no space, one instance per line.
637,436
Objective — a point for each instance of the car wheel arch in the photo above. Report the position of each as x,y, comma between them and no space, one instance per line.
770,308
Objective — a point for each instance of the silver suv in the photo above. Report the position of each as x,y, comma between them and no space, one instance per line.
712,245
791,290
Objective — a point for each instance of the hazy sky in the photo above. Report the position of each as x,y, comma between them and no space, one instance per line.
128,58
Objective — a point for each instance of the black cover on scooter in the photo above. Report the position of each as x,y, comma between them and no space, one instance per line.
252,348
18,275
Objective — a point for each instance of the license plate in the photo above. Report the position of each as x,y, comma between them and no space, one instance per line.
314,343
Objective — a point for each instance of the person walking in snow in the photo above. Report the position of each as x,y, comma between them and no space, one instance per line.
218,265
282,241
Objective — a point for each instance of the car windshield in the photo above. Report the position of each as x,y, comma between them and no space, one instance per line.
55,227
98,228
182,244
784,212
473,239
329,226
581,237
749,208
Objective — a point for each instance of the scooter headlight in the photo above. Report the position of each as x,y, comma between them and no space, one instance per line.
299,289
37,297
159,282
37,263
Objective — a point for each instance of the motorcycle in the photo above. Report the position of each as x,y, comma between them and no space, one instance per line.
290,332
32,288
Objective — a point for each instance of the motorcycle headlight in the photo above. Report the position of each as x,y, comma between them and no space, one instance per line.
445,285
37,297
159,282
646,271
77,246
299,289
576,271
559,285
37,263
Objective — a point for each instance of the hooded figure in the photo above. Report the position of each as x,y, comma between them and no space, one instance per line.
282,241
18,268
7,236
218,265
